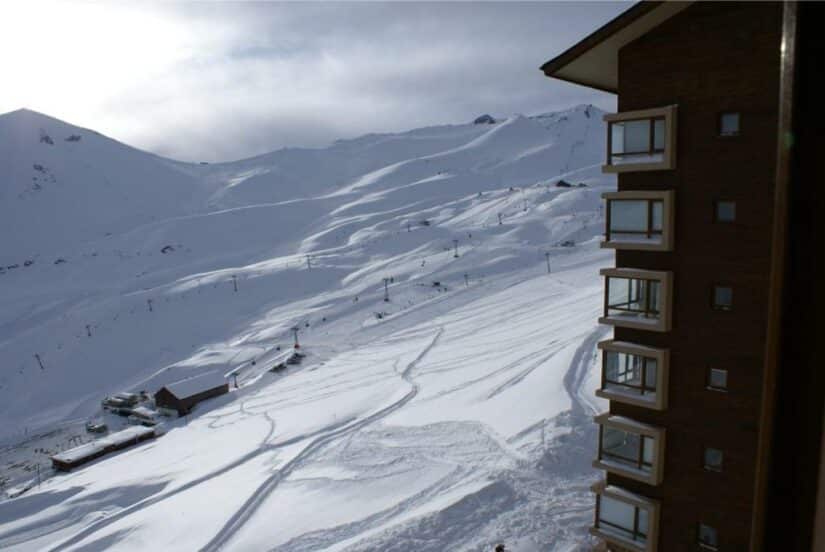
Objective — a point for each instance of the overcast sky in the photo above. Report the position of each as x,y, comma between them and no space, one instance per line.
222,81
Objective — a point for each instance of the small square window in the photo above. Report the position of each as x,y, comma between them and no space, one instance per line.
722,297
718,379
729,124
714,459
708,537
725,211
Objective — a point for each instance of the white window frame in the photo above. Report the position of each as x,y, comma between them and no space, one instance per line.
660,324
668,161
657,434
651,506
666,242
656,401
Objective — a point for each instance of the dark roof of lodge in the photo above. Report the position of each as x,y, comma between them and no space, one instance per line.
189,387
594,61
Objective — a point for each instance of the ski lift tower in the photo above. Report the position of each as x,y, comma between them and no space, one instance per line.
386,290
295,330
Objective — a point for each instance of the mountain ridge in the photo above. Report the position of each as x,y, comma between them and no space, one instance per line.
444,287
45,117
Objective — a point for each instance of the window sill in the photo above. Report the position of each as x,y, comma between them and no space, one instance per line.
619,540
645,401
625,471
637,167
637,245
636,322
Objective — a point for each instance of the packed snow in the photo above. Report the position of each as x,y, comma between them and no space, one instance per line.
455,415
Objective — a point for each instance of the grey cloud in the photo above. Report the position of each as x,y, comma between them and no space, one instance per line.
264,76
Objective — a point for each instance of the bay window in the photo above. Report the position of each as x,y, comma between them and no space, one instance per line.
630,448
639,220
641,140
637,298
634,374
625,519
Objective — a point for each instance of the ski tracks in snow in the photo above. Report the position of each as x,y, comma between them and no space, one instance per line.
320,439
517,497
577,374
267,487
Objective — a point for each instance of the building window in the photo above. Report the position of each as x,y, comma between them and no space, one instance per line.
630,448
637,298
634,141
625,519
641,140
635,219
708,538
725,211
722,298
729,124
634,374
626,447
639,220
718,379
714,459
634,296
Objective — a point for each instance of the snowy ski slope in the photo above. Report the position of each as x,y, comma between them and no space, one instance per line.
451,417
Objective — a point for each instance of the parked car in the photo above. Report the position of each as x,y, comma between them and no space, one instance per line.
121,400
144,416
96,427
113,403
129,398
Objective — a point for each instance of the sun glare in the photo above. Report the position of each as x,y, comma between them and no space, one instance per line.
68,59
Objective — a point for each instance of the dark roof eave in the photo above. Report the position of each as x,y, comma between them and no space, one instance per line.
595,38
585,83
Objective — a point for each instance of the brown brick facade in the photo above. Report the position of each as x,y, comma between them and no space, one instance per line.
710,58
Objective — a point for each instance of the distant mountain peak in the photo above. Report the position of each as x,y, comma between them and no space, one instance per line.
588,110
24,113
26,125
485,119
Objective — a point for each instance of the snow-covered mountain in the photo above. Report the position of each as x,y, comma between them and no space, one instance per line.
63,185
449,417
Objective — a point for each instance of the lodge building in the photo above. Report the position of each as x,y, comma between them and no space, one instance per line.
180,397
713,437
85,453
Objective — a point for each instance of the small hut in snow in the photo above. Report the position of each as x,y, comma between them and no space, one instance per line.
180,397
